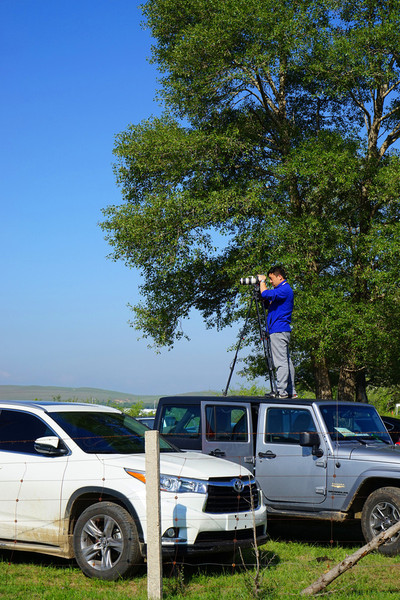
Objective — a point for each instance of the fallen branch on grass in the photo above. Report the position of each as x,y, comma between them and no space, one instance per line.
351,560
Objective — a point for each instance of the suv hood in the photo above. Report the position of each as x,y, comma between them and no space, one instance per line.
187,464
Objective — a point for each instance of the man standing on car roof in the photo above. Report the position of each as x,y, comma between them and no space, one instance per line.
279,301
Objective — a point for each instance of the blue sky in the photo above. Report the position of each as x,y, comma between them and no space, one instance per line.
74,73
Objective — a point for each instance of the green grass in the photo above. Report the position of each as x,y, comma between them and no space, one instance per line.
289,565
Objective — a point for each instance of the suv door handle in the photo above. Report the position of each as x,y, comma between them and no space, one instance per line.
217,452
267,454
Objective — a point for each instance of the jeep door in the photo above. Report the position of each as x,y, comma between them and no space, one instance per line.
287,472
228,431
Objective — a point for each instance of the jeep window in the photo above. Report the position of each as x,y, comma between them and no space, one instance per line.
182,420
106,433
349,423
226,423
19,430
284,425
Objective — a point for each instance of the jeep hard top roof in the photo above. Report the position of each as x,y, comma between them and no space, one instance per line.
255,400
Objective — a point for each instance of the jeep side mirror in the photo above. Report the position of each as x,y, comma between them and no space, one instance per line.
310,439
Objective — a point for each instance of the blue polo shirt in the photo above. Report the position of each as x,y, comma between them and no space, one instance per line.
280,308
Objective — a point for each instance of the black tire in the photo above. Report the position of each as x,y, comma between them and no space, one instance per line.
106,543
381,510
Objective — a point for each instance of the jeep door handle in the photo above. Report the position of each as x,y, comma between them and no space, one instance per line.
217,452
268,454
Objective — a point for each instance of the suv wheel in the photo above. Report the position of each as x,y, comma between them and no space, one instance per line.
381,511
106,542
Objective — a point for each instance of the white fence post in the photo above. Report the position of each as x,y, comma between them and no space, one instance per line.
153,513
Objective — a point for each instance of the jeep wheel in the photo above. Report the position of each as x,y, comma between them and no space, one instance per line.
381,511
106,542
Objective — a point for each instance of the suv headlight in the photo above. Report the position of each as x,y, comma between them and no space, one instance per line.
180,485
176,485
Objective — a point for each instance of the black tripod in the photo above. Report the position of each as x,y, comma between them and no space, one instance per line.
264,336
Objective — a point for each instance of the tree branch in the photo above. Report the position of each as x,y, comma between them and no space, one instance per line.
351,560
391,88
389,114
393,136
367,115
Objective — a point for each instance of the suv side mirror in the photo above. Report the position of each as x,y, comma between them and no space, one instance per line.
310,439
50,446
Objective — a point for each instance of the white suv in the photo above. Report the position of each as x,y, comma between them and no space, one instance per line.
72,480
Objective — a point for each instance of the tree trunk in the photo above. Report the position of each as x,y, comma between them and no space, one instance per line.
323,388
346,384
361,387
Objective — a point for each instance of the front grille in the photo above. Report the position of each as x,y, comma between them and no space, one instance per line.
224,498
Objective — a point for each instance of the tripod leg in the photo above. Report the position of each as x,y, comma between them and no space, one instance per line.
241,337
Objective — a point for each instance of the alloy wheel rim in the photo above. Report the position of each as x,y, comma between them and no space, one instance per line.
383,516
102,542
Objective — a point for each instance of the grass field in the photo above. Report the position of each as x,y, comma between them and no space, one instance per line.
295,557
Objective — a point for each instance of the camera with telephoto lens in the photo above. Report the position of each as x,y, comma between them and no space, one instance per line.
249,280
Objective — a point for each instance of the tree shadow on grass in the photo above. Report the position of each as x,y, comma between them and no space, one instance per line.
181,570
323,533
17,557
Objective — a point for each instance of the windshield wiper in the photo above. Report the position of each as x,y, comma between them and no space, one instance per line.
372,436
381,439
351,438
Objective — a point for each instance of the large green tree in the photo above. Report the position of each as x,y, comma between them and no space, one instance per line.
277,145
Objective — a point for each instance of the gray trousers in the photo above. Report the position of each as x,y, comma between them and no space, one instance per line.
284,368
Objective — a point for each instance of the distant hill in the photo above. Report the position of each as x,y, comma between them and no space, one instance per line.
84,394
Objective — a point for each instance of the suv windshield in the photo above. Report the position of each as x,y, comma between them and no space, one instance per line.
356,422
106,432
